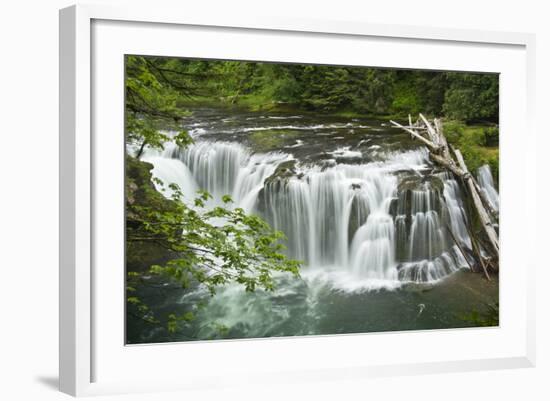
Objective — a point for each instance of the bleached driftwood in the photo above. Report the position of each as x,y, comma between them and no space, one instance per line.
415,134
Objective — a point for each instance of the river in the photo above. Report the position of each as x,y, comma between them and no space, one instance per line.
360,204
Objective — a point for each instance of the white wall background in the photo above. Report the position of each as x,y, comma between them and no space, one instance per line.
29,200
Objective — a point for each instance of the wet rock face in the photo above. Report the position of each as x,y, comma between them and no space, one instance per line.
275,182
419,213
418,183
358,214
418,194
140,192
283,172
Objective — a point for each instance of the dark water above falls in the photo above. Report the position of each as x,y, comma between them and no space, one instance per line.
360,204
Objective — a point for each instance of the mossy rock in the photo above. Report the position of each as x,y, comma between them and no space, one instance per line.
417,183
140,191
275,182
271,140
283,172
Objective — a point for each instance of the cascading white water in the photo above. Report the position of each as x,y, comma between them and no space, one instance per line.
426,237
355,218
225,168
215,167
322,211
170,171
373,248
425,215
455,208
344,216
485,180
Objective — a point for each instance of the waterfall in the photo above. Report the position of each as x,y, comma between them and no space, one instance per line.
485,180
321,211
385,221
426,210
457,215
215,167
171,171
225,168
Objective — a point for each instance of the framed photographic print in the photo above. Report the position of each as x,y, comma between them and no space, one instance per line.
289,200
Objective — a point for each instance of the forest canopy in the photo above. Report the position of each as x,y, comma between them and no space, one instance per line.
368,91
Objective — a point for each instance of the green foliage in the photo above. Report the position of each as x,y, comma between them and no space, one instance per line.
174,321
211,247
431,87
487,318
471,96
215,246
406,99
313,87
150,97
137,308
491,136
473,143
331,88
363,90
453,130
419,92
139,190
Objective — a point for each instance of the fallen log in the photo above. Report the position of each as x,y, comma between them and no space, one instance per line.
442,139
431,131
477,251
426,142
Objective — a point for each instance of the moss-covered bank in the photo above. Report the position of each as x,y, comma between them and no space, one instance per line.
140,192
478,144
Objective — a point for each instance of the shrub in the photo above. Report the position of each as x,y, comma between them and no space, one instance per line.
472,142
491,136
453,130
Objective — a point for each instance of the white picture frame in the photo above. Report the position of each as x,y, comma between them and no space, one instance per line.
92,358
